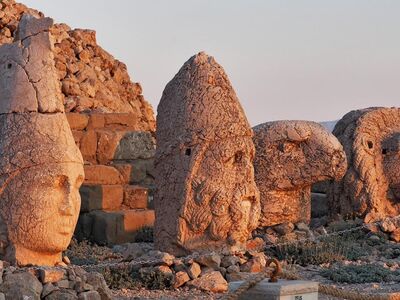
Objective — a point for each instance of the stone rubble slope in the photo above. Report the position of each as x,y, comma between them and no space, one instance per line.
92,80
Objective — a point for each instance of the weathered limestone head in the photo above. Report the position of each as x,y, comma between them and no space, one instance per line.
206,196
290,157
371,186
41,169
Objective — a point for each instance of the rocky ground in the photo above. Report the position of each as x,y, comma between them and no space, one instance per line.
364,260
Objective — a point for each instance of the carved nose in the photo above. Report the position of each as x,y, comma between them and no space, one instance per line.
67,207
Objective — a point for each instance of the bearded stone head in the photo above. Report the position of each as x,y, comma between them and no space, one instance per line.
370,188
206,196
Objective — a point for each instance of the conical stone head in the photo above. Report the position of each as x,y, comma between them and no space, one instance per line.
206,196
41,169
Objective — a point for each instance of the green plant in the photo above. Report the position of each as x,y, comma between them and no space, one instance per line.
154,279
121,278
328,249
361,274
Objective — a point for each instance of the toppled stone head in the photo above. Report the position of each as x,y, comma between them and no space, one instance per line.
371,186
290,157
41,169
206,196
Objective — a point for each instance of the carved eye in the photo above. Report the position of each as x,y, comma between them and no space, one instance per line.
238,157
9,66
384,151
370,144
188,151
61,182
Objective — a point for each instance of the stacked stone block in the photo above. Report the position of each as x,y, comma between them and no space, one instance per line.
118,152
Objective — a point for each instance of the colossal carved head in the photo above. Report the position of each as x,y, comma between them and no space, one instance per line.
206,195
370,188
41,169
290,157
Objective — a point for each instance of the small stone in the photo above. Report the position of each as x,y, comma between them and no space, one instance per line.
255,244
163,269
284,228
213,282
51,275
194,270
179,265
48,288
99,284
181,278
89,295
270,239
254,265
65,284
302,227
229,260
66,260
21,284
164,257
212,260
63,294
233,269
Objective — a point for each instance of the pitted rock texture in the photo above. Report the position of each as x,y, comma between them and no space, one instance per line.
41,168
92,80
206,196
290,157
371,186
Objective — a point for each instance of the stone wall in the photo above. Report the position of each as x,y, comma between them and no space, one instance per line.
119,181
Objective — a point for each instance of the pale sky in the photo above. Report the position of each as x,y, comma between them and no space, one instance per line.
299,59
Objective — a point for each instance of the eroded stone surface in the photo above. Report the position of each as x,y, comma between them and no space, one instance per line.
290,157
371,186
92,80
41,168
206,195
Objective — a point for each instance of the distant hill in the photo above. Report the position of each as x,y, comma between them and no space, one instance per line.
329,124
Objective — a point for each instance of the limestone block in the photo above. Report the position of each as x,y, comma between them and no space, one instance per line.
135,145
88,145
77,121
101,197
100,174
135,197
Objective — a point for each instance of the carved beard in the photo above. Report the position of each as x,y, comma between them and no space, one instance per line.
222,214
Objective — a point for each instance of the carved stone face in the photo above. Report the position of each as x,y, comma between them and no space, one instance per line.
224,202
391,164
40,207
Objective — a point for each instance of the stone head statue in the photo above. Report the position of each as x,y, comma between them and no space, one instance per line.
206,196
290,157
41,169
371,186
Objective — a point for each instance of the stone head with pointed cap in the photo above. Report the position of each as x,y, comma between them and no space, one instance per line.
206,196
41,168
